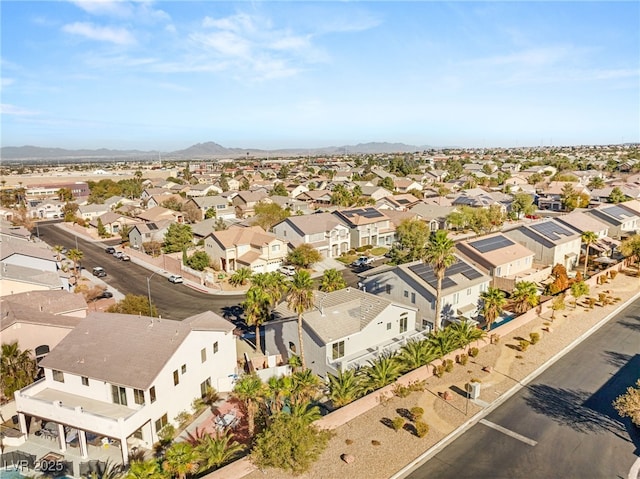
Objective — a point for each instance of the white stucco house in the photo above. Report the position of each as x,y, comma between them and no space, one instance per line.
121,376
323,231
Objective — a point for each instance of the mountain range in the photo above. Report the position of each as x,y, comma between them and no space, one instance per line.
199,151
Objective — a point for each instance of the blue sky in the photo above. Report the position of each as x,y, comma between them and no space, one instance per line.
165,75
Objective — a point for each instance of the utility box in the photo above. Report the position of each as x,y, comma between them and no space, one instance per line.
474,390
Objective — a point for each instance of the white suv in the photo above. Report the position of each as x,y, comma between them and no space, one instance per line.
287,270
176,278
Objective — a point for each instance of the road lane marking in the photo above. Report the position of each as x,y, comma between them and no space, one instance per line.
508,432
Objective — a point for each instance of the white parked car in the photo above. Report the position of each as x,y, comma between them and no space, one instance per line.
287,270
176,278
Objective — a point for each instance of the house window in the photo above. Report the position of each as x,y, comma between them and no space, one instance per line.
406,293
468,291
413,298
119,395
162,422
204,387
184,369
203,355
456,298
388,288
152,394
275,248
176,378
85,381
292,347
388,326
338,350
58,376
404,321
215,347
138,396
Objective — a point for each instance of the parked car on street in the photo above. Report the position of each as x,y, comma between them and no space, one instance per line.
176,278
109,250
99,272
105,295
125,257
287,270
118,254
362,261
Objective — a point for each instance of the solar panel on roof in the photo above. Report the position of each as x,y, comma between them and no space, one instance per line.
491,244
551,230
617,212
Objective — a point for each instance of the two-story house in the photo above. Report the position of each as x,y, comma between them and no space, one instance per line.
368,226
119,376
323,231
245,202
622,221
141,233
551,241
414,284
497,255
252,247
344,329
220,204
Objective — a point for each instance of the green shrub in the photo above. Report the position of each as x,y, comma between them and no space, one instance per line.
473,352
401,391
416,413
438,370
418,386
422,429
463,359
398,423
448,365
534,337
524,344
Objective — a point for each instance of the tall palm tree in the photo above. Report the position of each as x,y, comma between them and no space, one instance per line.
344,388
306,386
441,342
438,253
250,390
300,300
145,470
588,238
524,296
256,310
332,280
181,460
76,256
58,250
279,389
414,354
631,249
493,302
215,451
18,368
306,412
381,372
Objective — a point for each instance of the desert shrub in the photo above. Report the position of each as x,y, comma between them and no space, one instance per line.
448,365
534,337
183,418
602,279
348,442
418,386
473,352
463,359
523,345
602,297
422,429
375,443
398,423
438,370
613,273
416,413
494,338
401,391
592,302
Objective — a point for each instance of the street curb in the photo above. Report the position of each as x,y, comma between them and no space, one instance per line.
453,435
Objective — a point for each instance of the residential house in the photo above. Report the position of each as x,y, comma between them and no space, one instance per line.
92,211
551,241
159,200
368,226
376,193
160,213
38,320
18,252
48,209
414,284
122,376
203,189
294,206
433,214
550,198
405,185
251,247
401,202
582,222
15,279
113,222
141,233
221,205
7,230
147,193
326,233
344,330
245,202
622,221
315,198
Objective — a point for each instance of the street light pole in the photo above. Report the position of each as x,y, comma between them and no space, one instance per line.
149,292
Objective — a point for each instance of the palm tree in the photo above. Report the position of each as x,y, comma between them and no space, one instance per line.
256,310
145,470
240,277
493,301
250,390
414,354
524,296
58,250
300,299
306,412
631,248
294,362
279,389
76,256
216,451
588,238
344,388
306,386
438,253
381,372
441,342
332,280
181,460
464,333
18,368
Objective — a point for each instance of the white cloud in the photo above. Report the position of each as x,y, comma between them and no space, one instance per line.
117,35
116,8
7,109
7,81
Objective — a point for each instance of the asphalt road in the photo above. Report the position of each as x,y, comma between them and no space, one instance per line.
567,426
174,301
